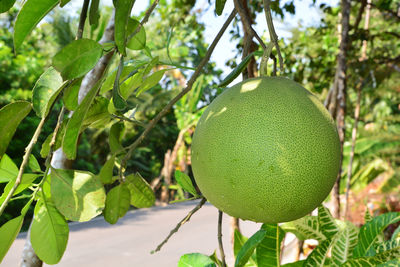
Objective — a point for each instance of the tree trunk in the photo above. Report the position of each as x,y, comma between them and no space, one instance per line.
59,160
356,115
338,96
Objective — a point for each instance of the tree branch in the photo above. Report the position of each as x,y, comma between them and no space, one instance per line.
363,57
391,12
189,86
246,22
221,247
359,14
272,33
25,160
340,88
82,19
182,222
145,18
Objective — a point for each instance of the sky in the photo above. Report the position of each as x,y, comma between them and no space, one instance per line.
306,15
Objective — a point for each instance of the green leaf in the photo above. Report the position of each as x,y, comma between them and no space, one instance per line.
344,243
78,195
390,251
184,180
49,232
134,82
390,183
71,93
8,169
77,58
151,81
305,228
94,13
388,245
248,248
319,255
127,72
396,233
138,41
122,12
26,207
269,249
74,125
368,173
45,91
295,264
118,101
32,12
150,65
142,196
5,5
10,117
367,216
8,233
215,259
26,181
59,138
115,136
97,113
117,203
34,164
195,260
219,6
64,2
236,71
327,223
370,231
238,241
106,172
391,263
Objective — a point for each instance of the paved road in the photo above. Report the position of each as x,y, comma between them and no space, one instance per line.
129,242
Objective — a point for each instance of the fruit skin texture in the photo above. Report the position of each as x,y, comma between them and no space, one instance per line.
266,150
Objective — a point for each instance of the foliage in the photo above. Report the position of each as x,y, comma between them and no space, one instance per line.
340,243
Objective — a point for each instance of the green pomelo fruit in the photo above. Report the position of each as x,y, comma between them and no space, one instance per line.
266,150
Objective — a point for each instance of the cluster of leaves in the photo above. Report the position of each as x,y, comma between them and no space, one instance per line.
340,243
116,108
75,195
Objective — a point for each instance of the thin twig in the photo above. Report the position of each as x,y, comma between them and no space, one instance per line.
272,33
189,86
246,22
359,15
391,12
182,222
25,160
221,247
59,121
82,19
123,118
145,18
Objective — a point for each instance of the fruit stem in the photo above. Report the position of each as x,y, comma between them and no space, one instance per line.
272,33
221,247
